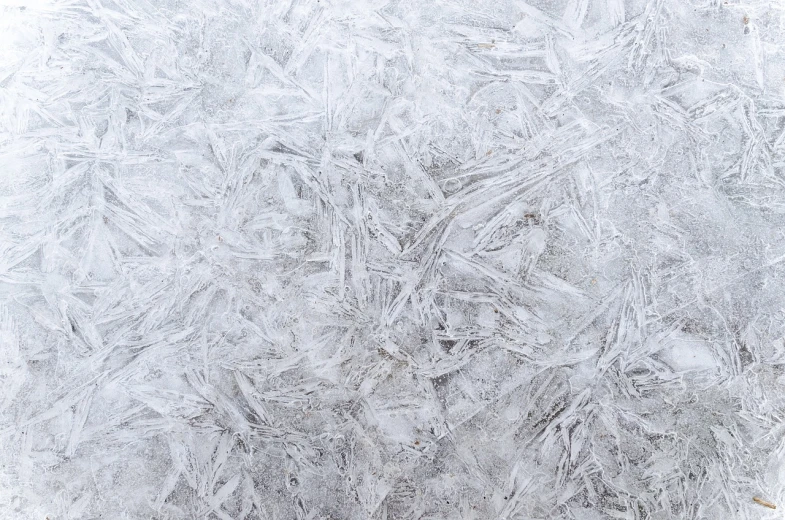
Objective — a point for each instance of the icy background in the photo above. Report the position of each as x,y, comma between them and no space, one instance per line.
405,259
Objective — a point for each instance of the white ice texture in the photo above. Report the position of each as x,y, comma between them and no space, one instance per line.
392,259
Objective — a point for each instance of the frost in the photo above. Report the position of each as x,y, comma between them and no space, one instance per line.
382,259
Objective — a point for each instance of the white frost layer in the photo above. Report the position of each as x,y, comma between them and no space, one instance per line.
326,259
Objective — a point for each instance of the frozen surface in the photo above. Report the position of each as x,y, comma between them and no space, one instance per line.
327,259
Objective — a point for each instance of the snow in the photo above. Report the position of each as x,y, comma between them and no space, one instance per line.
386,259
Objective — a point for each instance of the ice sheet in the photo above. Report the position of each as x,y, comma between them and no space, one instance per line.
370,259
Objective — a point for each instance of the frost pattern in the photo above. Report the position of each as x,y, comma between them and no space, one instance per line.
371,259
